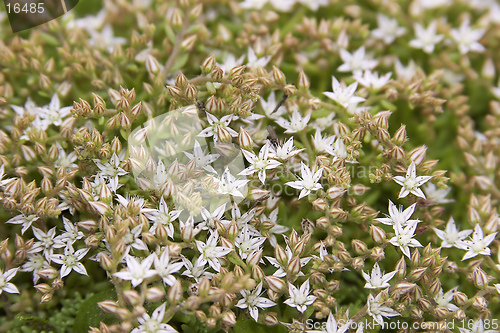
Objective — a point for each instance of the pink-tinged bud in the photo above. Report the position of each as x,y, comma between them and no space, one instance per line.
377,254
100,207
303,82
290,90
417,155
245,140
381,119
378,234
307,226
335,192
483,182
357,263
274,283
254,257
441,312
460,315
403,288
280,255
43,288
278,76
229,318
319,205
480,278
359,247
417,273
208,64
338,214
258,194
293,267
257,273
271,319
188,43
415,258
488,70
174,91
400,136
46,298
154,294
424,304
320,293
191,92
214,311
174,294
48,273
131,297
152,64
480,303
460,298
106,262
322,223
416,313
108,306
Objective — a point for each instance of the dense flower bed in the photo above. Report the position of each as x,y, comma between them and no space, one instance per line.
263,165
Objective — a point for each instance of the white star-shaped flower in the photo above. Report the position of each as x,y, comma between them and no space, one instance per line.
137,271
162,216
467,39
342,94
5,285
210,252
477,245
259,164
444,299
398,215
164,268
309,181
299,298
371,80
377,279
286,151
356,61
252,300
229,185
378,310
216,126
70,260
296,124
404,237
388,29
254,62
153,323
451,235
411,182
202,159
426,39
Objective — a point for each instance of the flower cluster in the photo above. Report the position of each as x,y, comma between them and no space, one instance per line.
192,159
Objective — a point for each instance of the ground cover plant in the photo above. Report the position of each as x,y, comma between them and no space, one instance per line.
252,166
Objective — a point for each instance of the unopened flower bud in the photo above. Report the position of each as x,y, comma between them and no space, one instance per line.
377,234
175,293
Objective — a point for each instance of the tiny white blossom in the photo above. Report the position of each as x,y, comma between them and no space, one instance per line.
388,29
137,271
53,114
404,237
153,324
323,144
269,106
342,94
197,272
70,260
467,39
477,245
286,151
377,309
162,216
229,185
215,125
26,221
444,299
209,218
436,195
35,262
230,62
65,160
398,215
252,300
46,242
281,272
451,235
105,39
110,171
411,182
254,62
164,268
314,4
356,61
246,242
202,159
426,39
275,229
405,73
377,279
299,298
5,285
259,164
309,181
210,252
372,80
296,124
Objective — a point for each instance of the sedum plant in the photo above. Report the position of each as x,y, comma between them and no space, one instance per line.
280,165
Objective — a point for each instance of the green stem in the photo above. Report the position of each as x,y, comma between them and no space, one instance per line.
307,144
